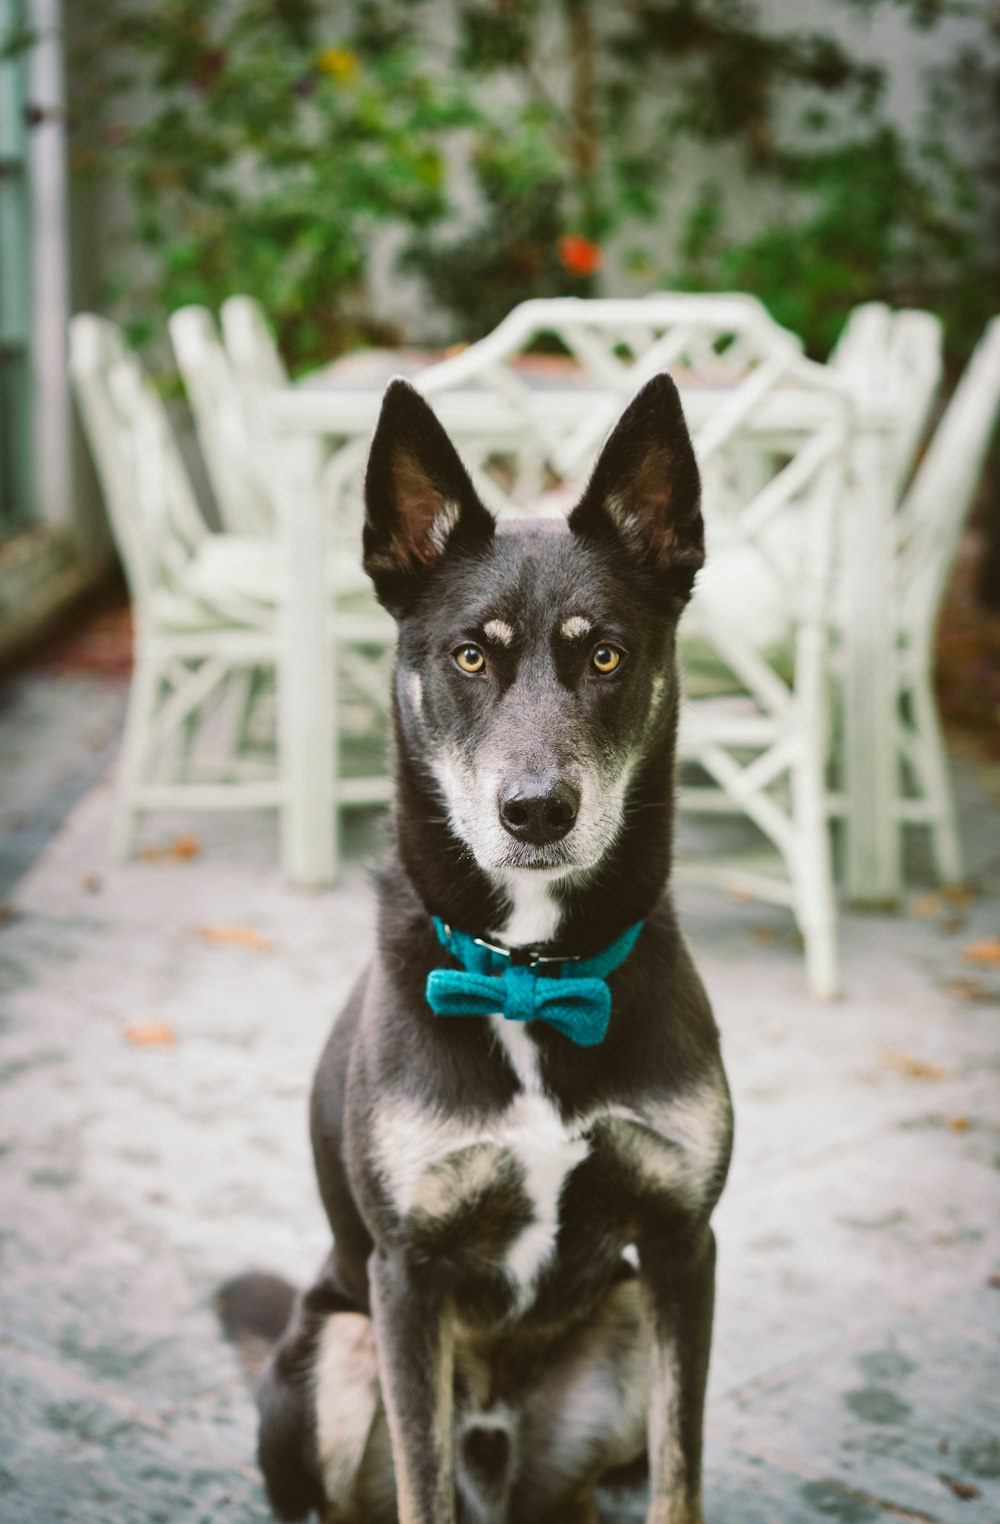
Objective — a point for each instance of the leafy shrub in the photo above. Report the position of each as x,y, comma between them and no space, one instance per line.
268,144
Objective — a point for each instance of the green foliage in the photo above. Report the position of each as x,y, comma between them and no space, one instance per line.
267,158
266,145
872,229
869,217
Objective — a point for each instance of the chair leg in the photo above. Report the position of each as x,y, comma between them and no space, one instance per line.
937,783
141,706
812,877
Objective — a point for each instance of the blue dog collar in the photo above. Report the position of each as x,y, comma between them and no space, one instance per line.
575,1000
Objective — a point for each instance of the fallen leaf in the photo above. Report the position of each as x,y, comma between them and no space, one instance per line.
180,850
6,914
765,935
913,1068
987,951
959,1124
926,907
234,936
970,989
150,1034
90,883
957,894
960,1489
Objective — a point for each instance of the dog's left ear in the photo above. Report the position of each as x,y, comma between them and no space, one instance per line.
645,491
419,501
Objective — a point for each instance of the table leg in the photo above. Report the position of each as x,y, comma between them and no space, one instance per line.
870,760
306,697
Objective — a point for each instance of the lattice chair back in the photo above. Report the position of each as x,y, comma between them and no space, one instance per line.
895,359
917,365
769,531
862,341
229,445
541,417
930,519
250,343
154,515
259,371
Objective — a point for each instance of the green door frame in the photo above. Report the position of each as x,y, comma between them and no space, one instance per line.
16,381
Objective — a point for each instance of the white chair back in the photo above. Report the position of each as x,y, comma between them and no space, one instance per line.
228,440
931,516
916,364
895,359
250,343
153,512
863,344
259,371
532,424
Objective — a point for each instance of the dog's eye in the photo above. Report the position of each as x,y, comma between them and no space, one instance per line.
605,659
469,658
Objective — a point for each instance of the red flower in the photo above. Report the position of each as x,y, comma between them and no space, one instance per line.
578,255
210,66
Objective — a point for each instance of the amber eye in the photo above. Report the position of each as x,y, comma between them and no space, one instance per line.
605,659
469,658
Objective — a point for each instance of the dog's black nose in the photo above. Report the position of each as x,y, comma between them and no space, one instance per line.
539,808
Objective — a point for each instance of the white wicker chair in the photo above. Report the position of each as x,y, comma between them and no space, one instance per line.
895,358
229,449
926,533
209,611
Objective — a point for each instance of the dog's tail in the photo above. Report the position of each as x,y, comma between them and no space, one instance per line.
254,1310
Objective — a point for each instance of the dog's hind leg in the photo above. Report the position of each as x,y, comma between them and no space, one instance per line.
587,1414
322,1441
352,1437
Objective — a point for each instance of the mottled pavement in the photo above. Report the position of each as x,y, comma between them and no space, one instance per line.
855,1374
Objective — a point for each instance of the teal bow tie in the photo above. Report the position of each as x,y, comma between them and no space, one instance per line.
577,1001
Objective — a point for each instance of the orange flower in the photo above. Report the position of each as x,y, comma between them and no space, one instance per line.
579,256
338,63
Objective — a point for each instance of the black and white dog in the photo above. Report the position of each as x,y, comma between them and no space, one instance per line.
521,1123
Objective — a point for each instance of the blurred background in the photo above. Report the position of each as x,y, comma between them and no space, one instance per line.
267,207
407,171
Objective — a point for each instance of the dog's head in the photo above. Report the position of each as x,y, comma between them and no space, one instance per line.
536,667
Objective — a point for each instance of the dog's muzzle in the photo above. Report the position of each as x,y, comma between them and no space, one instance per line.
538,808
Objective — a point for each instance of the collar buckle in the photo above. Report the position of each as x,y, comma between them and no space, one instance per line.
520,957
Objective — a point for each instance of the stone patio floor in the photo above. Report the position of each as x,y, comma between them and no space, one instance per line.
160,1021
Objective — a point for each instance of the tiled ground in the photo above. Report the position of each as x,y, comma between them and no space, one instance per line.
855,1373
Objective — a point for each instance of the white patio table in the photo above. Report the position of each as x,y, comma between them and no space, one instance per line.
340,409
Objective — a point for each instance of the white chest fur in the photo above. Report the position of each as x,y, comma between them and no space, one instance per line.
431,1163
545,1148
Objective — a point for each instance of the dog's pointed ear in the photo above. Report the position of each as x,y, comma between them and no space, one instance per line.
419,501
645,491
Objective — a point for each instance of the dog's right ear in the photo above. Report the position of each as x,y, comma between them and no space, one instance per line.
419,501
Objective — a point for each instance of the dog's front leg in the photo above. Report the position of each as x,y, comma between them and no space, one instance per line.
415,1340
678,1280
